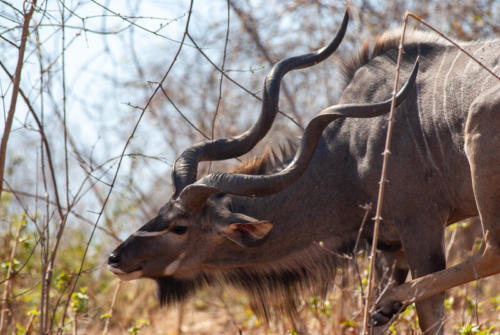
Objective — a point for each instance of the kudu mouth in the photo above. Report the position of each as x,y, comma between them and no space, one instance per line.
128,272
124,275
115,266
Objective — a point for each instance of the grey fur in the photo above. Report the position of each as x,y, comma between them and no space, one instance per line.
430,186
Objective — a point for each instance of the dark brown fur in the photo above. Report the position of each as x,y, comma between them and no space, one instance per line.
255,166
272,160
350,67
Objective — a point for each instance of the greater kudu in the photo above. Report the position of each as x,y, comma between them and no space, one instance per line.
261,232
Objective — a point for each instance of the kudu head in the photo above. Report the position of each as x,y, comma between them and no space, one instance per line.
197,232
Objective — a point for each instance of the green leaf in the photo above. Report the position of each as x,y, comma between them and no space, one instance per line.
79,301
33,312
62,280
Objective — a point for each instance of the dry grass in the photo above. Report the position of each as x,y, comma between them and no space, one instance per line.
470,309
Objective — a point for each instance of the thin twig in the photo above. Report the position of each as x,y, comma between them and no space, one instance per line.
228,312
44,230
235,82
180,317
249,25
65,123
110,311
221,79
183,115
382,183
419,19
75,324
212,134
451,242
27,329
367,208
132,23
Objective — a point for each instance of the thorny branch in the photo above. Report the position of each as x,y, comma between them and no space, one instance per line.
382,183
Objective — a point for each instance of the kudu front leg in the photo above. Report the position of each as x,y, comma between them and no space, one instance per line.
391,270
424,255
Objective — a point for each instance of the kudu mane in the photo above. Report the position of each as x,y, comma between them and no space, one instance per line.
272,160
388,41
273,289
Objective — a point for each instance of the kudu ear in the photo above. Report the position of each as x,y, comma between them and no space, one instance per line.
246,231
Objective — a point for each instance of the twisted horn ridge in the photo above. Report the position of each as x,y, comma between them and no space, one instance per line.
195,195
186,166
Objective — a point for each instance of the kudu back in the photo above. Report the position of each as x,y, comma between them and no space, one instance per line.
262,232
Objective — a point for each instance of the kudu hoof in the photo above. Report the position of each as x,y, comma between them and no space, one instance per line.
384,314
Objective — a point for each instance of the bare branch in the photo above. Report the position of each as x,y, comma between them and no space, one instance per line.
15,91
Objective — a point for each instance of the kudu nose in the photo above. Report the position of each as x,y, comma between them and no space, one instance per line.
113,259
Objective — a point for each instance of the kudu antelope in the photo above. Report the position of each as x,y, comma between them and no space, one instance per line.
260,231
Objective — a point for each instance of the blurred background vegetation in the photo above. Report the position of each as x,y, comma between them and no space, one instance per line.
108,93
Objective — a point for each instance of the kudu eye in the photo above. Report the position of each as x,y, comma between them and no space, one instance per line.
179,230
